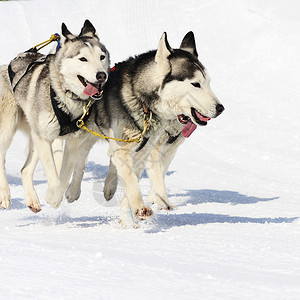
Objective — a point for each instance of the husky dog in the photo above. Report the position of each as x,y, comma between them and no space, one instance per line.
45,96
173,86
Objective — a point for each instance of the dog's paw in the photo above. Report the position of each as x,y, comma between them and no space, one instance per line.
164,205
72,194
54,197
109,189
34,206
168,208
110,183
5,198
33,202
160,202
108,193
34,209
143,213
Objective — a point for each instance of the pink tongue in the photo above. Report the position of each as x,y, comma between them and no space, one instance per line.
202,118
188,129
90,90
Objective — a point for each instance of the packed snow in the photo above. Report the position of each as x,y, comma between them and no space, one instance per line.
236,232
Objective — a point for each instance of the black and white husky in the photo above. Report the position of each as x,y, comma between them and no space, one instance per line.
44,96
169,84
174,87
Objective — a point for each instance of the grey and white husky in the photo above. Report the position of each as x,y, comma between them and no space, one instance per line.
44,96
174,87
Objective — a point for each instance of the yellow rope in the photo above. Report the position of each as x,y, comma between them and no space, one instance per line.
54,37
80,124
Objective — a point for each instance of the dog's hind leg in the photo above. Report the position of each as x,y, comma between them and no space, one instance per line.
27,171
111,182
9,117
4,188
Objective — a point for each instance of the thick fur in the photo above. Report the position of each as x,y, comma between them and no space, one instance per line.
27,105
169,83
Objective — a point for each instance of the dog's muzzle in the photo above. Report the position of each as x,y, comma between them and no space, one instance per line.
93,90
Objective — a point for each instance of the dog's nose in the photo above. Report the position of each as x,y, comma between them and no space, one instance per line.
219,109
101,76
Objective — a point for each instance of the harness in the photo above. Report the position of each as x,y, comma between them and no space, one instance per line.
64,119
67,125
172,139
147,121
141,139
33,51
31,65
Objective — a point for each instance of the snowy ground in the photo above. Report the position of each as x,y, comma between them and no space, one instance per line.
236,231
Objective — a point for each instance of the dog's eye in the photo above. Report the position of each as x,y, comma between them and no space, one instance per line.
102,57
82,59
196,84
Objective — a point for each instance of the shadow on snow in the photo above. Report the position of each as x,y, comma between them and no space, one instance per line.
215,196
98,171
160,222
83,222
15,180
164,222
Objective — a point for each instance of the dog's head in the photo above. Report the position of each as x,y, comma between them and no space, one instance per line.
185,85
83,62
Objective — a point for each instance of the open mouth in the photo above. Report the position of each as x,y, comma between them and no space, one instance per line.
200,119
91,89
189,126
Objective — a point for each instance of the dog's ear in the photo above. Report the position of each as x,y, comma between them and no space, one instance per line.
163,52
66,33
88,29
188,43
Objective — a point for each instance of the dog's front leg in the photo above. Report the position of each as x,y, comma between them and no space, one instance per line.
58,150
54,193
76,165
71,156
156,166
156,172
122,159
